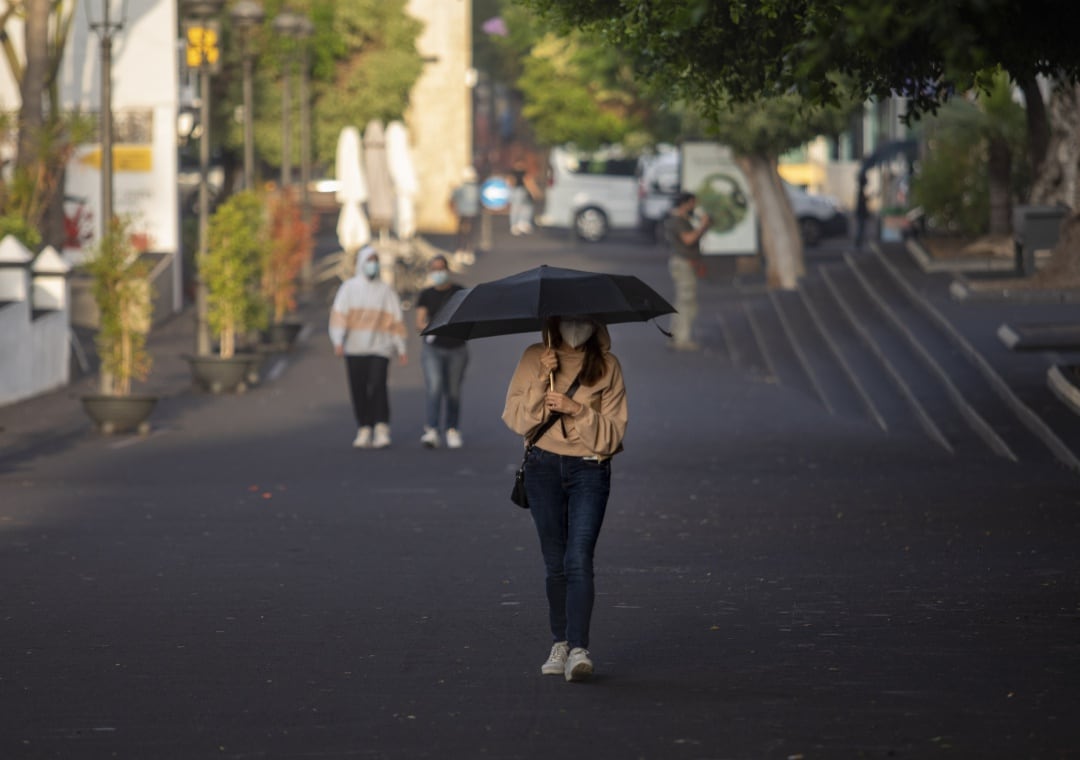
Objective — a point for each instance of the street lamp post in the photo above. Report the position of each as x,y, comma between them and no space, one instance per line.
287,24
246,16
106,26
203,53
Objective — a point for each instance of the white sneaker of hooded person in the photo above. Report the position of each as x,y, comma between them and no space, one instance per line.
363,438
453,439
382,436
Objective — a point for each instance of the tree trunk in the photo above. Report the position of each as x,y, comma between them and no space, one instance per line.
781,244
1056,183
33,86
999,169
1038,123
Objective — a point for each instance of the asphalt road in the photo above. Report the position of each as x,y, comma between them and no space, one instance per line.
773,581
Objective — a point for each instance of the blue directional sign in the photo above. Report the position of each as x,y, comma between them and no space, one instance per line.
495,194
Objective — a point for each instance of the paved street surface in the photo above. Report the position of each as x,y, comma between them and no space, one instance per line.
780,574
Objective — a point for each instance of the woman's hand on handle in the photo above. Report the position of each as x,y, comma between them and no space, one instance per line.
549,360
560,402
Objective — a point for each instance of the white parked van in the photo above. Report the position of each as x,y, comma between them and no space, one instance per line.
590,193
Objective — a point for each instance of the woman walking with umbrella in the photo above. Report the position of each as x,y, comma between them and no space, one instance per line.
568,400
572,379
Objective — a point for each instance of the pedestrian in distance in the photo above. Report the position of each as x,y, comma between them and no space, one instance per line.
443,360
862,213
572,376
465,202
521,204
367,328
685,264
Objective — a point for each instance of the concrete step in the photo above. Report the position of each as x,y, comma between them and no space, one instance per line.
918,386
827,375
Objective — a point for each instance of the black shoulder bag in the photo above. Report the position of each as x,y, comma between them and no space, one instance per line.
517,495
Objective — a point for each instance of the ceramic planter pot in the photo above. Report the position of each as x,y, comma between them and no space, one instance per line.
217,375
120,414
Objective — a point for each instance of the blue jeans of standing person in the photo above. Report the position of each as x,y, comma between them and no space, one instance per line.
567,498
444,370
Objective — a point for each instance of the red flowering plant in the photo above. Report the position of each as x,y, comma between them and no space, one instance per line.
291,246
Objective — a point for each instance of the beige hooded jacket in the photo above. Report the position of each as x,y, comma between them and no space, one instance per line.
597,430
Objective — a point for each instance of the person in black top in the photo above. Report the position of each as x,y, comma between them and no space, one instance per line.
443,360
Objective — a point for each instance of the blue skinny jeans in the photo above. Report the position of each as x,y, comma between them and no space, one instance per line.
567,498
444,371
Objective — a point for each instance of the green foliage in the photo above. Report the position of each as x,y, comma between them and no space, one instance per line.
951,186
575,87
363,61
16,224
27,193
122,292
953,180
769,127
232,268
709,50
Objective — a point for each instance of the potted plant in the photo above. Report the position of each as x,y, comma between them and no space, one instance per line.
121,289
291,246
232,268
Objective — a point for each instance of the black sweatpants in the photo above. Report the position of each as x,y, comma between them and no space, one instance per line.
367,385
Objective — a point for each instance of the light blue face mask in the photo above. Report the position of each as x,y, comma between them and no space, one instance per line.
371,268
439,277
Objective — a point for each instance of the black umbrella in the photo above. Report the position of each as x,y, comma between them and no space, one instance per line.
521,302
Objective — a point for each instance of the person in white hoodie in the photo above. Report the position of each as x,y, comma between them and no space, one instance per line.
367,328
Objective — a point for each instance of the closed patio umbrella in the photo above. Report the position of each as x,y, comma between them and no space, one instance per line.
402,171
352,227
380,185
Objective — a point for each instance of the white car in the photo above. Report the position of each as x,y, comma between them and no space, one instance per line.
818,216
590,193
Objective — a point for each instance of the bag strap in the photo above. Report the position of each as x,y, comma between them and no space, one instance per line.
539,432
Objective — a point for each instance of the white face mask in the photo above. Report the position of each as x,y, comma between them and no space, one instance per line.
371,268
575,332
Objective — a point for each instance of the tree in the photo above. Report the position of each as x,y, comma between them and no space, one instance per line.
575,88
970,175
758,133
712,50
746,49
31,200
363,64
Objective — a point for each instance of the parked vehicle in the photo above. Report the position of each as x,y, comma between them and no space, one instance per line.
590,193
818,216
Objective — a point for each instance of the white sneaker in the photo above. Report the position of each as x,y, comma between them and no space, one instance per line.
578,665
430,438
382,436
363,438
556,661
453,439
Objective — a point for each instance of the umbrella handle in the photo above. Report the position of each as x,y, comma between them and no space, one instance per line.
551,374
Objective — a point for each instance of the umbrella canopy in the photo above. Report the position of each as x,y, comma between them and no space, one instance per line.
381,204
521,302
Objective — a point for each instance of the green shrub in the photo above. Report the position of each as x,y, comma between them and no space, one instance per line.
232,268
